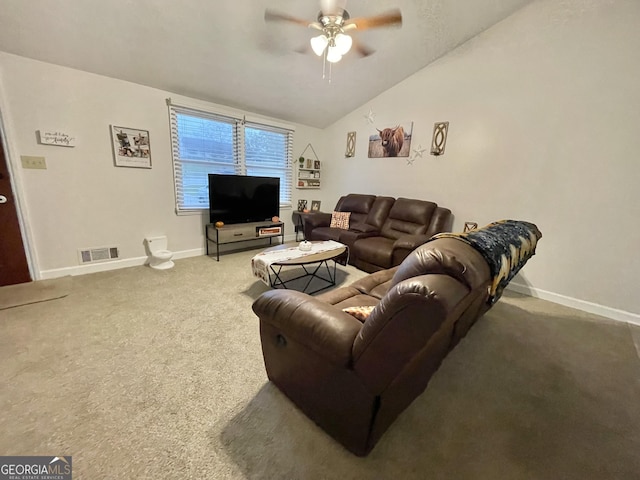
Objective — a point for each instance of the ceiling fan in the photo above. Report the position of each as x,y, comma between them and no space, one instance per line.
334,22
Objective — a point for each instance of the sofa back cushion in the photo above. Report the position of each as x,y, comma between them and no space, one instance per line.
380,211
441,221
445,256
408,216
358,204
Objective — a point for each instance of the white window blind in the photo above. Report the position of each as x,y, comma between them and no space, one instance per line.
204,143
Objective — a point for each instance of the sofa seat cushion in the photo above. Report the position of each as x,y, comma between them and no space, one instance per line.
359,300
347,297
377,284
376,250
327,233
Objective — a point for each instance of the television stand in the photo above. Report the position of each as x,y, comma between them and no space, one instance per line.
242,232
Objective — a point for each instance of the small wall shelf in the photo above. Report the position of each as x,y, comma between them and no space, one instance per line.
308,170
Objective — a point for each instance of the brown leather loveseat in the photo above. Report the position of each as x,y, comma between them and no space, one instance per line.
354,376
381,230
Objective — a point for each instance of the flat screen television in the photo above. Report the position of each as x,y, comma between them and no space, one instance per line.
243,199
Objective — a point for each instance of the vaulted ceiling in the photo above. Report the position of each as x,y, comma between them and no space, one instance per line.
225,52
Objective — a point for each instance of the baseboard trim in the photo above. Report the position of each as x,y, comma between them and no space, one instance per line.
589,307
114,265
583,305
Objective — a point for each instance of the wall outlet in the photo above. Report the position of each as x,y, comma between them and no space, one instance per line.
33,162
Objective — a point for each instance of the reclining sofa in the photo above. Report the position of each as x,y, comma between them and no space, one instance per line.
381,231
354,358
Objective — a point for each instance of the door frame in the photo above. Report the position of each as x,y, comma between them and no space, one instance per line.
16,185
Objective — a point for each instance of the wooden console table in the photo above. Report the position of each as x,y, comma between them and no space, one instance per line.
242,232
298,222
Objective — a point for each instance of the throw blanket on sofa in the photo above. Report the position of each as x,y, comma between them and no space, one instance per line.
506,245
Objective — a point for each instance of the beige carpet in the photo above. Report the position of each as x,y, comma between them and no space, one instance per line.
144,374
34,292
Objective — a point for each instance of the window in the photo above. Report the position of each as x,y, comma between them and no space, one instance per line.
206,143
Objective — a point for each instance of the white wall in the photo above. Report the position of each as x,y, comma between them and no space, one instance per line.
544,111
82,200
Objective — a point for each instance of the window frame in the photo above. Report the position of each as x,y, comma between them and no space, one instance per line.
238,148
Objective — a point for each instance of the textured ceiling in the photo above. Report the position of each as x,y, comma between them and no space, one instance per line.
224,52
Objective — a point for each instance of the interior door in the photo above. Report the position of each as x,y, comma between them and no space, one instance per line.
13,260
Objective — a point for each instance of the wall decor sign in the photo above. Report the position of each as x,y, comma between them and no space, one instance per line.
394,141
56,137
131,147
351,145
439,140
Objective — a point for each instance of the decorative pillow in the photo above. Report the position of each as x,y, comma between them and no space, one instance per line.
340,220
361,313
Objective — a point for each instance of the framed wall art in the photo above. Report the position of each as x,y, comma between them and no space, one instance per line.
393,141
439,139
351,145
131,147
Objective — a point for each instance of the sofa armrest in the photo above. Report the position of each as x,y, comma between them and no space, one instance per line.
410,319
317,219
311,221
321,327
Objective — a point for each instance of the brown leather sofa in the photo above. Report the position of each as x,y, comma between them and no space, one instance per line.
409,224
382,230
354,377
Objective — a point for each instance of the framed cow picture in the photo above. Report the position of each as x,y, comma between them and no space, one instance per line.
391,141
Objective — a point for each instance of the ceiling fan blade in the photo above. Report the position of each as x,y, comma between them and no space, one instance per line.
393,17
361,49
270,15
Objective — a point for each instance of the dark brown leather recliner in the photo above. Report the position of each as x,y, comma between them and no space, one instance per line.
368,213
354,377
409,224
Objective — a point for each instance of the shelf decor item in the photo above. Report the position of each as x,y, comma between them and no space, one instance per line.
302,205
468,226
131,147
315,205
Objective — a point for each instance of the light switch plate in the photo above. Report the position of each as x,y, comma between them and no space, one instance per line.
33,162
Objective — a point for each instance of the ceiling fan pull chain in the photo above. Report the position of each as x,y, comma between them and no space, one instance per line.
324,65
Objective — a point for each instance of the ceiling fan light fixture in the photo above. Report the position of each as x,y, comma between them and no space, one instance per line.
333,55
343,43
318,44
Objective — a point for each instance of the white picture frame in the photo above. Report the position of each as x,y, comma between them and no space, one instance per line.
131,147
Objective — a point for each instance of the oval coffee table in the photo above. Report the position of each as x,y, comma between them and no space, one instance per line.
313,264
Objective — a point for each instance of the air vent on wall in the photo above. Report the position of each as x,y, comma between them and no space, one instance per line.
101,254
